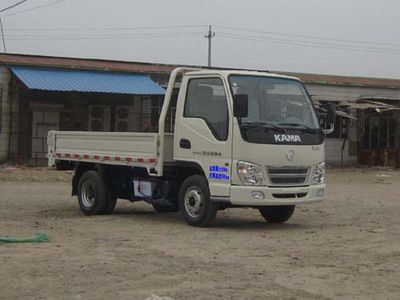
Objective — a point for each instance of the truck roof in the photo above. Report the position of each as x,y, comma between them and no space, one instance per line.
225,73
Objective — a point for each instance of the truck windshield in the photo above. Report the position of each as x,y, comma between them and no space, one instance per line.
282,102
275,105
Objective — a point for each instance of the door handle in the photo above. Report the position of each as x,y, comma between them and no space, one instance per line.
185,144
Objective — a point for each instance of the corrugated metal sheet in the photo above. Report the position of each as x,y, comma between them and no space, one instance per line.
89,81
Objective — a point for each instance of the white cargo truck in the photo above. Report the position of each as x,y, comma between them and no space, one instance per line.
241,139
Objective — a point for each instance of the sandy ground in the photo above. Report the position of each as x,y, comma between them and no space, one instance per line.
345,248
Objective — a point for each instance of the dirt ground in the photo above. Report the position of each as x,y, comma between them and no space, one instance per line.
347,247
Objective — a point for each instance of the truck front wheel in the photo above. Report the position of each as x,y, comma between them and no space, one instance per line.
92,193
195,203
277,214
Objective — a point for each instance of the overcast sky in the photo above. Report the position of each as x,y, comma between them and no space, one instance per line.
348,37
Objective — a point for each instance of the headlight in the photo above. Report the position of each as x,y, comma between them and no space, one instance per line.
250,174
318,174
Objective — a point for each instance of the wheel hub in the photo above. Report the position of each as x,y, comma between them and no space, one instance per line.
194,202
88,194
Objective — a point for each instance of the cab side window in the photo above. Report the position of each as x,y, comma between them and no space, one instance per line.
205,99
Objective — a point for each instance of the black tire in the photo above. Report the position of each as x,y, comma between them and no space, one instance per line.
110,203
277,214
173,207
92,193
195,193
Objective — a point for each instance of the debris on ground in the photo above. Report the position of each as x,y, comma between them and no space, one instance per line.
37,238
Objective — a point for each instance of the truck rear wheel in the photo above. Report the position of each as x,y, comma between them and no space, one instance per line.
195,203
277,214
92,193
110,203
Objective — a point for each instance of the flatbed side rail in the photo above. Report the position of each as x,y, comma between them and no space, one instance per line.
116,148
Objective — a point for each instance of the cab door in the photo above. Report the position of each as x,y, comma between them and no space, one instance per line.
203,130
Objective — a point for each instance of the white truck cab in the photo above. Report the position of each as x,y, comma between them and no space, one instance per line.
241,138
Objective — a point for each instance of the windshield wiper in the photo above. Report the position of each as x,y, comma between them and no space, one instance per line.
301,126
265,125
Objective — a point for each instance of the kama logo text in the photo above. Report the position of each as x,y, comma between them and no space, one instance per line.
287,138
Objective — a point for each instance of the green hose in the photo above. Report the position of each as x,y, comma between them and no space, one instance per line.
37,238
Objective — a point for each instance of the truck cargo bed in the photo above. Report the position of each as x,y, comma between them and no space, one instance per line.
116,148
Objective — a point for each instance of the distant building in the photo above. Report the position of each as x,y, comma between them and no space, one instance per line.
367,130
39,93
48,93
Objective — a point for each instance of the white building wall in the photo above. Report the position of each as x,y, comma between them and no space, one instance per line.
5,114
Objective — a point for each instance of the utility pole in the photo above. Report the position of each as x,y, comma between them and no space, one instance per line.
209,36
2,36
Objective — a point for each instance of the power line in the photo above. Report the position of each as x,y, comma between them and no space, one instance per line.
306,39
106,28
107,34
12,6
33,8
305,36
162,34
106,37
230,32
198,26
306,45
309,43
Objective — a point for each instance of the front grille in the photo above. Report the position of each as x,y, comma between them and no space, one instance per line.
287,176
282,196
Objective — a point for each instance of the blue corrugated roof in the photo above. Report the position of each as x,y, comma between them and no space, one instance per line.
72,80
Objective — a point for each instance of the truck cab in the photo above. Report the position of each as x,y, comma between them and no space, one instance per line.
241,139
256,137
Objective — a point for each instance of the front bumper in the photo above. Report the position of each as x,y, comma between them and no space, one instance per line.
250,195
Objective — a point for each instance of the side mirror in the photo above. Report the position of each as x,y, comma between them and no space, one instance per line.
240,106
330,118
331,114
